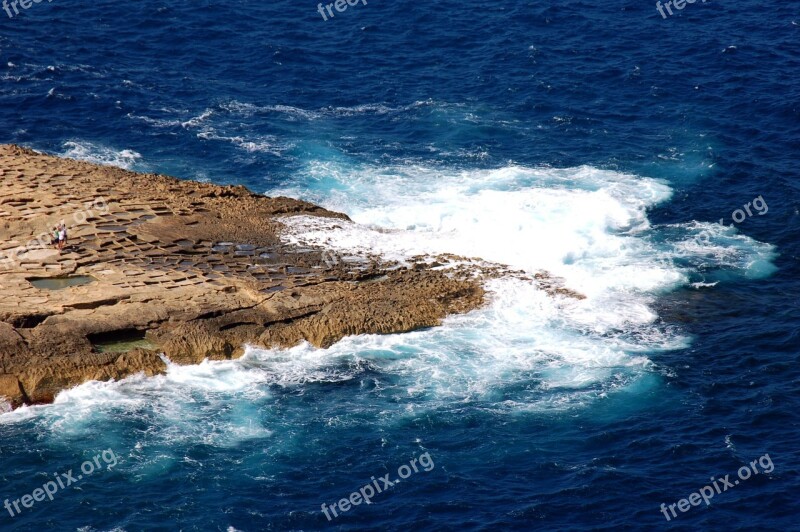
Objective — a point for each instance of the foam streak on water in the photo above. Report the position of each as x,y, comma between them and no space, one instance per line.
99,154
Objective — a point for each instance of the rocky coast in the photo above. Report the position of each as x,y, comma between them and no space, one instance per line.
160,267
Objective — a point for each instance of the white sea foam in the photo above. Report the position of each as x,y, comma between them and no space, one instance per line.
257,144
96,153
177,405
585,225
525,351
588,226
199,119
294,113
156,122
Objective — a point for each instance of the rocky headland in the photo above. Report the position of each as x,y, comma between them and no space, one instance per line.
156,266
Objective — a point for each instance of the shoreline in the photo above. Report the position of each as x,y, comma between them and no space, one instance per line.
195,271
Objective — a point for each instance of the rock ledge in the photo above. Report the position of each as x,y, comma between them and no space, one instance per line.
191,270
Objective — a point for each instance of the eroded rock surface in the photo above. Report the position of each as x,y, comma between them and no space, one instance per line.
197,270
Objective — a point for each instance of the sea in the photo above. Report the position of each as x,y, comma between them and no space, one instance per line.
649,161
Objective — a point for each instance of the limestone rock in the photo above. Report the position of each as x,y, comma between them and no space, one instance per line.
192,270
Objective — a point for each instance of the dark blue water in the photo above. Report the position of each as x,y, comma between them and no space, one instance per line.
598,425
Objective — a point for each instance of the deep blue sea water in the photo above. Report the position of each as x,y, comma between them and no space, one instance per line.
596,140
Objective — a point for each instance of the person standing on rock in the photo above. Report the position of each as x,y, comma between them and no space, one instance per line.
62,236
54,240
